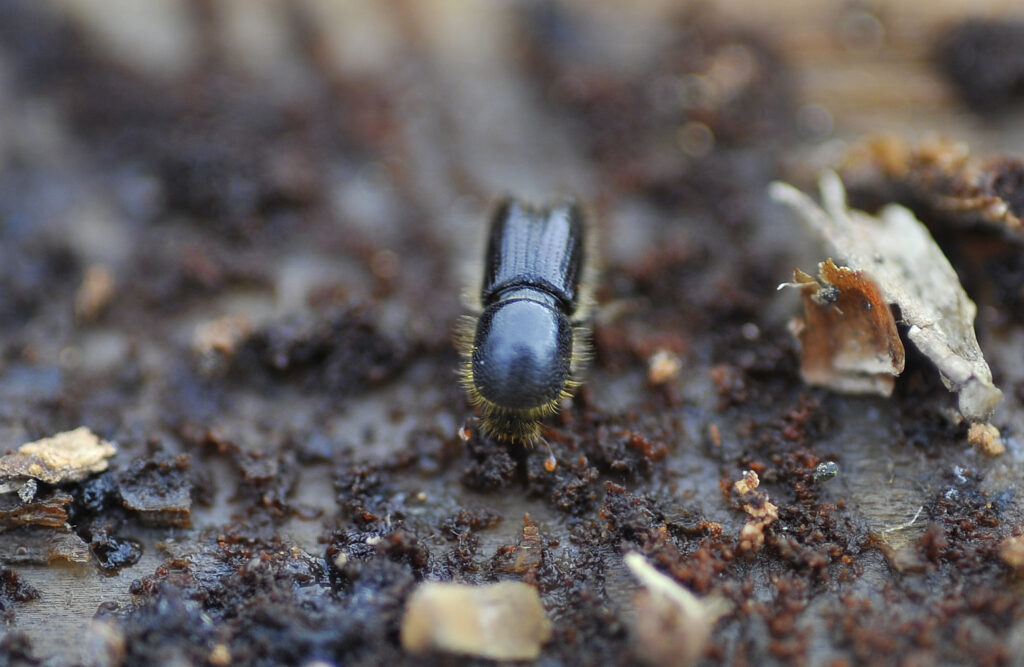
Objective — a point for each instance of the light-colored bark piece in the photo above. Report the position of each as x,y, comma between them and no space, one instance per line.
672,626
66,457
899,254
986,439
502,621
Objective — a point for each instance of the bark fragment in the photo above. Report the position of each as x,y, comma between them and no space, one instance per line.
672,625
66,457
502,621
899,254
849,337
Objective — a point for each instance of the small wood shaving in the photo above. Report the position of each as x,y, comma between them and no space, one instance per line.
214,342
986,438
752,533
503,621
95,292
766,510
761,510
663,366
66,457
747,484
715,434
220,335
672,626
220,656
762,515
897,251
1011,550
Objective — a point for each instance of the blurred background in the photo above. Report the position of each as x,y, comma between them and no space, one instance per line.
238,231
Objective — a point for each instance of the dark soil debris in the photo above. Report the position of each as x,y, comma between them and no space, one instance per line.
13,590
113,553
345,352
248,595
984,60
740,95
158,490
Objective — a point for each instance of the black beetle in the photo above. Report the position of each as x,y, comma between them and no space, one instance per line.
524,352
